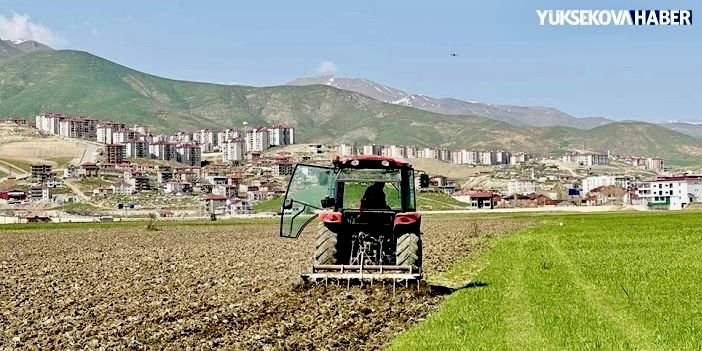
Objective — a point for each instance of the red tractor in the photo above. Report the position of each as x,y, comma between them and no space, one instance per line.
369,227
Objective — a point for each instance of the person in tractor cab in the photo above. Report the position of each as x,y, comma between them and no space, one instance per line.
374,197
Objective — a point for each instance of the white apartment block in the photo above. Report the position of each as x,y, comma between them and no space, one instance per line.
395,151
136,149
140,129
207,139
445,155
673,193
77,128
518,158
470,157
411,152
344,150
521,186
428,152
163,150
487,157
595,182
654,164
587,160
372,149
456,157
281,135
183,137
225,135
257,139
232,150
501,157
189,154
104,133
123,135
49,122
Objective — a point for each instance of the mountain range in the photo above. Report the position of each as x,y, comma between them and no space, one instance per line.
532,116
79,83
10,48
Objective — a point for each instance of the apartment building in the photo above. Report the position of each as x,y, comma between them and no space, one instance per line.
114,153
189,154
521,186
257,139
281,135
345,150
163,150
136,149
49,122
232,150
587,160
225,135
673,192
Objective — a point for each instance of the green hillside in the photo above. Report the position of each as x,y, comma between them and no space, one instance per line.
78,83
626,138
74,82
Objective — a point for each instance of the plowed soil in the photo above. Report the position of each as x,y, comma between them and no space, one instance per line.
209,286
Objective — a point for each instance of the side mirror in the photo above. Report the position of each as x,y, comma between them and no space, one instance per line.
287,204
328,202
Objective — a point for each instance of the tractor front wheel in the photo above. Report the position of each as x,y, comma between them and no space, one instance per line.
409,250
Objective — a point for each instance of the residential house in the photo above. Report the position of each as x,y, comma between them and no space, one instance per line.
477,199
216,204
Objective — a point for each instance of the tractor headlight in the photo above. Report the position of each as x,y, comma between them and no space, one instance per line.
354,163
385,163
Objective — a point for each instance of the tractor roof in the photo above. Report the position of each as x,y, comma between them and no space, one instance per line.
371,161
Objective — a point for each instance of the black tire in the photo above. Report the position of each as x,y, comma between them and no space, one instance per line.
326,248
409,250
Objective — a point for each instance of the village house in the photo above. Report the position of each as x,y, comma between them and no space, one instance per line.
215,203
521,186
239,207
104,192
13,195
477,199
122,187
608,195
225,190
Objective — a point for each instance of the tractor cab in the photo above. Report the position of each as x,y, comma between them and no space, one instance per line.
354,191
367,214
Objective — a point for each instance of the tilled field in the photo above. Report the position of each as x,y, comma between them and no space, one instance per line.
209,286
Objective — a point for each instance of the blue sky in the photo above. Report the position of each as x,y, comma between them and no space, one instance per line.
504,56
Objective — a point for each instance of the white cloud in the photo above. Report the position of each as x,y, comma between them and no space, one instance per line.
327,68
21,27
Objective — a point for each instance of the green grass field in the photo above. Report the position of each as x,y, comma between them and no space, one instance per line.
598,281
25,166
425,201
272,205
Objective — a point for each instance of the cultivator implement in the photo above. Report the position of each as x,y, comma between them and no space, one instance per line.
362,273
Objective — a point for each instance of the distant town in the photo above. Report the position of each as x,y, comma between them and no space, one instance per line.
231,171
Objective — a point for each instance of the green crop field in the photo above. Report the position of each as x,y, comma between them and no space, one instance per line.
425,201
614,281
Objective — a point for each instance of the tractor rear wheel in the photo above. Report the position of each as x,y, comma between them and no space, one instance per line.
409,250
326,248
